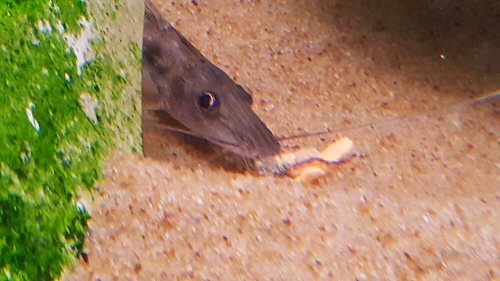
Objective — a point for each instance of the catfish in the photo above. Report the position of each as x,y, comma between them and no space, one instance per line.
179,82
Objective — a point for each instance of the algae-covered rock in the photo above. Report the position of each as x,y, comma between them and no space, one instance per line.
69,98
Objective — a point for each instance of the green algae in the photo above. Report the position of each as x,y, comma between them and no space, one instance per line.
49,147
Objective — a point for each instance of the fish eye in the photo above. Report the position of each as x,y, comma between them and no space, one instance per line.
208,101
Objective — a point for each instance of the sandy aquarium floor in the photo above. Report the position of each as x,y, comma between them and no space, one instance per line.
419,201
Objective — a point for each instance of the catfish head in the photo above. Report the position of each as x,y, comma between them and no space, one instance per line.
198,94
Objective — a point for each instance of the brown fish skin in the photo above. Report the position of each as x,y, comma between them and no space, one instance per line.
180,81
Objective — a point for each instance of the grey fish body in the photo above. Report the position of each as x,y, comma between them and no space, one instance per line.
179,80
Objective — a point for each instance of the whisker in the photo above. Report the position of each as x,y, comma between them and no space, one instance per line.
190,133
483,98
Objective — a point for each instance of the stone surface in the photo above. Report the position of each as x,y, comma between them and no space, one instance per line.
69,98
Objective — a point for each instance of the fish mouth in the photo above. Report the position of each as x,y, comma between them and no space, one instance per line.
254,142
243,149
242,142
